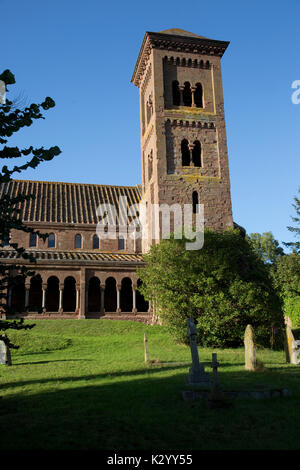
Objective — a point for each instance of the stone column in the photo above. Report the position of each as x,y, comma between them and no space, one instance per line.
44,290
102,292
134,309
27,287
181,88
191,148
61,291
77,299
81,313
118,298
193,89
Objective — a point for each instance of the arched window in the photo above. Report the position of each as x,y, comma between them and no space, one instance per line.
187,94
95,242
196,154
32,239
51,240
185,153
195,202
198,96
78,240
176,93
121,243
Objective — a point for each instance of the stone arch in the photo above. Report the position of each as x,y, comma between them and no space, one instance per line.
35,293
52,294
126,303
142,305
18,295
185,153
196,154
198,95
69,295
187,94
175,93
110,295
94,295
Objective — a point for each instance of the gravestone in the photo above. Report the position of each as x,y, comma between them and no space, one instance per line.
197,375
5,357
249,342
292,348
146,348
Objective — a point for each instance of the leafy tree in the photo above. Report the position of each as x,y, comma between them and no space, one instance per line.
12,120
224,286
266,246
286,275
296,230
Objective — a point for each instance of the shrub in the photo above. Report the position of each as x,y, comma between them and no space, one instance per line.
224,286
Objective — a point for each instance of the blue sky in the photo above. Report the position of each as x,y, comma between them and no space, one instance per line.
82,54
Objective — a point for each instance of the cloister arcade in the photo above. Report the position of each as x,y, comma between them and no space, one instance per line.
67,293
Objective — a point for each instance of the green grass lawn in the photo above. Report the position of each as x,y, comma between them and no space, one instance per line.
83,384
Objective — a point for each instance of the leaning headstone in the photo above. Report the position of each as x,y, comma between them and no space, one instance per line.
249,342
197,375
5,357
292,347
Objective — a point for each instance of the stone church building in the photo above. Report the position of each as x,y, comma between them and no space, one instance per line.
184,161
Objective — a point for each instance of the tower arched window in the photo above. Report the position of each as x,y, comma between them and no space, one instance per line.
96,242
51,240
185,153
195,202
176,93
187,94
78,240
198,96
196,154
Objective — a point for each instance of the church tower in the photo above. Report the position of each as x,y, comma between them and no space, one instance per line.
183,136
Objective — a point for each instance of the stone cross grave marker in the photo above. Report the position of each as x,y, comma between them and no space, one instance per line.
5,357
292,347
249,342
197,375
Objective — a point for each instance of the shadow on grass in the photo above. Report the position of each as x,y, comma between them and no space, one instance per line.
32,363
105,375
143,413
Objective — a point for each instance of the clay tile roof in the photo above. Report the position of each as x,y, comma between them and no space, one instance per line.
75,256
57,202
